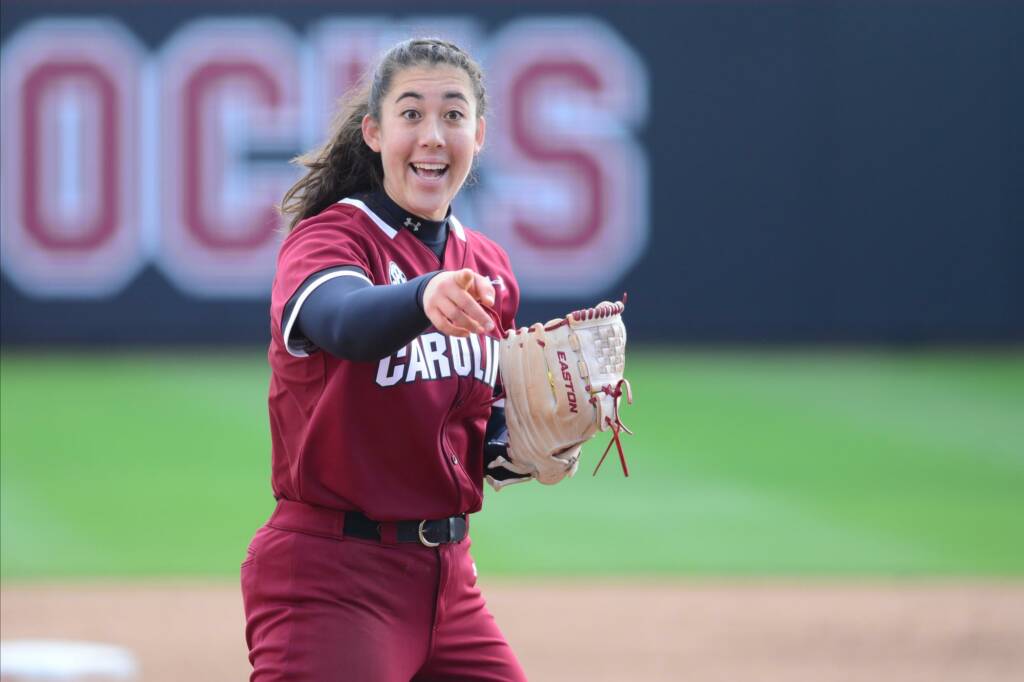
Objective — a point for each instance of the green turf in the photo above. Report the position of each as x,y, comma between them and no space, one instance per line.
743,464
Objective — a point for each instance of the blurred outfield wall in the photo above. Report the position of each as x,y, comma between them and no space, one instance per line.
748,171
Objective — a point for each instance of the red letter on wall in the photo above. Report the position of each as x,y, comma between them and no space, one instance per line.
570,203
229,121
70,160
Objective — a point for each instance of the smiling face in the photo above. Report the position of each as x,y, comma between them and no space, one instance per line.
427,136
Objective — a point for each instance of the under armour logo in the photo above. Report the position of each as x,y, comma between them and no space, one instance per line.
409,222
498,282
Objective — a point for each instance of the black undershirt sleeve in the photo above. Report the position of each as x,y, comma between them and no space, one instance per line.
351,319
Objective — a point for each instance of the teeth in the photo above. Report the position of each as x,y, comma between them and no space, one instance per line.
430,166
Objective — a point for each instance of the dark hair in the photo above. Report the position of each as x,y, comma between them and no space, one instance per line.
345,165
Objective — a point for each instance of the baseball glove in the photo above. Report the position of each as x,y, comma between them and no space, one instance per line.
563,382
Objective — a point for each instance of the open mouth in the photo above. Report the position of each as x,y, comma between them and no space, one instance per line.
429,170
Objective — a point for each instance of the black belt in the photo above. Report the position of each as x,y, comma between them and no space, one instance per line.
430,533
333,523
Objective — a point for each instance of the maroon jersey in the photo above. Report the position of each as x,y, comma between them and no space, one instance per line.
399,438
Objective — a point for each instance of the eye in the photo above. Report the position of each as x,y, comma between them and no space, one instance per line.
410,115
454,115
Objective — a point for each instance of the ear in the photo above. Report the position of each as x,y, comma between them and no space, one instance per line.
371,133
481,129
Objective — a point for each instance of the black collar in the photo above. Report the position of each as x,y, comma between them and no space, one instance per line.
429,231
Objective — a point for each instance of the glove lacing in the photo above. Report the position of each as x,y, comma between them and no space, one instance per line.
615,424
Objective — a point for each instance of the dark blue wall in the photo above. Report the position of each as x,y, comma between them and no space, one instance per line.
819,172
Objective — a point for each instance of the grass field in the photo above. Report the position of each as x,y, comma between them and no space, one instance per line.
798,464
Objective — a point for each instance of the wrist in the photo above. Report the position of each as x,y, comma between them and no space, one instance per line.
421,288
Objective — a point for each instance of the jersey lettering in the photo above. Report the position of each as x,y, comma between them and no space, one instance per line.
478,370
417,366
433,355
433,351
386,378
460,356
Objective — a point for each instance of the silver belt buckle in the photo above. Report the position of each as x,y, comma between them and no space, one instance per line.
423,540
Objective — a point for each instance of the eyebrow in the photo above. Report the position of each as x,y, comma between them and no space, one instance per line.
452,94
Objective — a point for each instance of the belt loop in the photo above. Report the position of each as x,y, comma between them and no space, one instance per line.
340,525
388,533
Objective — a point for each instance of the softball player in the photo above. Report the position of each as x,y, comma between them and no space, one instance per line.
384,360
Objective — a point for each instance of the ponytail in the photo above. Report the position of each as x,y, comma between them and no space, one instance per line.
342,167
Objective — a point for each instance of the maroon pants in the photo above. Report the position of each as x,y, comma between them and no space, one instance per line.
323,607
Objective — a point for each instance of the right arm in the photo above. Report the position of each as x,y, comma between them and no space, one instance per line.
340,312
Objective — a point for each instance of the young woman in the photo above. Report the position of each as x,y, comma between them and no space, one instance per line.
383,358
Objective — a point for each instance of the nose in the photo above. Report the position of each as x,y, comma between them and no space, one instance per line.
431,134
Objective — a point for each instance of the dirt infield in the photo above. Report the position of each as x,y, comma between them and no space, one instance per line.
712,631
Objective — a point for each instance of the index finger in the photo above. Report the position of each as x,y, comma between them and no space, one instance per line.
467,305
484,290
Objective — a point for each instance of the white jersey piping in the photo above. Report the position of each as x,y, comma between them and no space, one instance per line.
297,352
457,228
385,228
